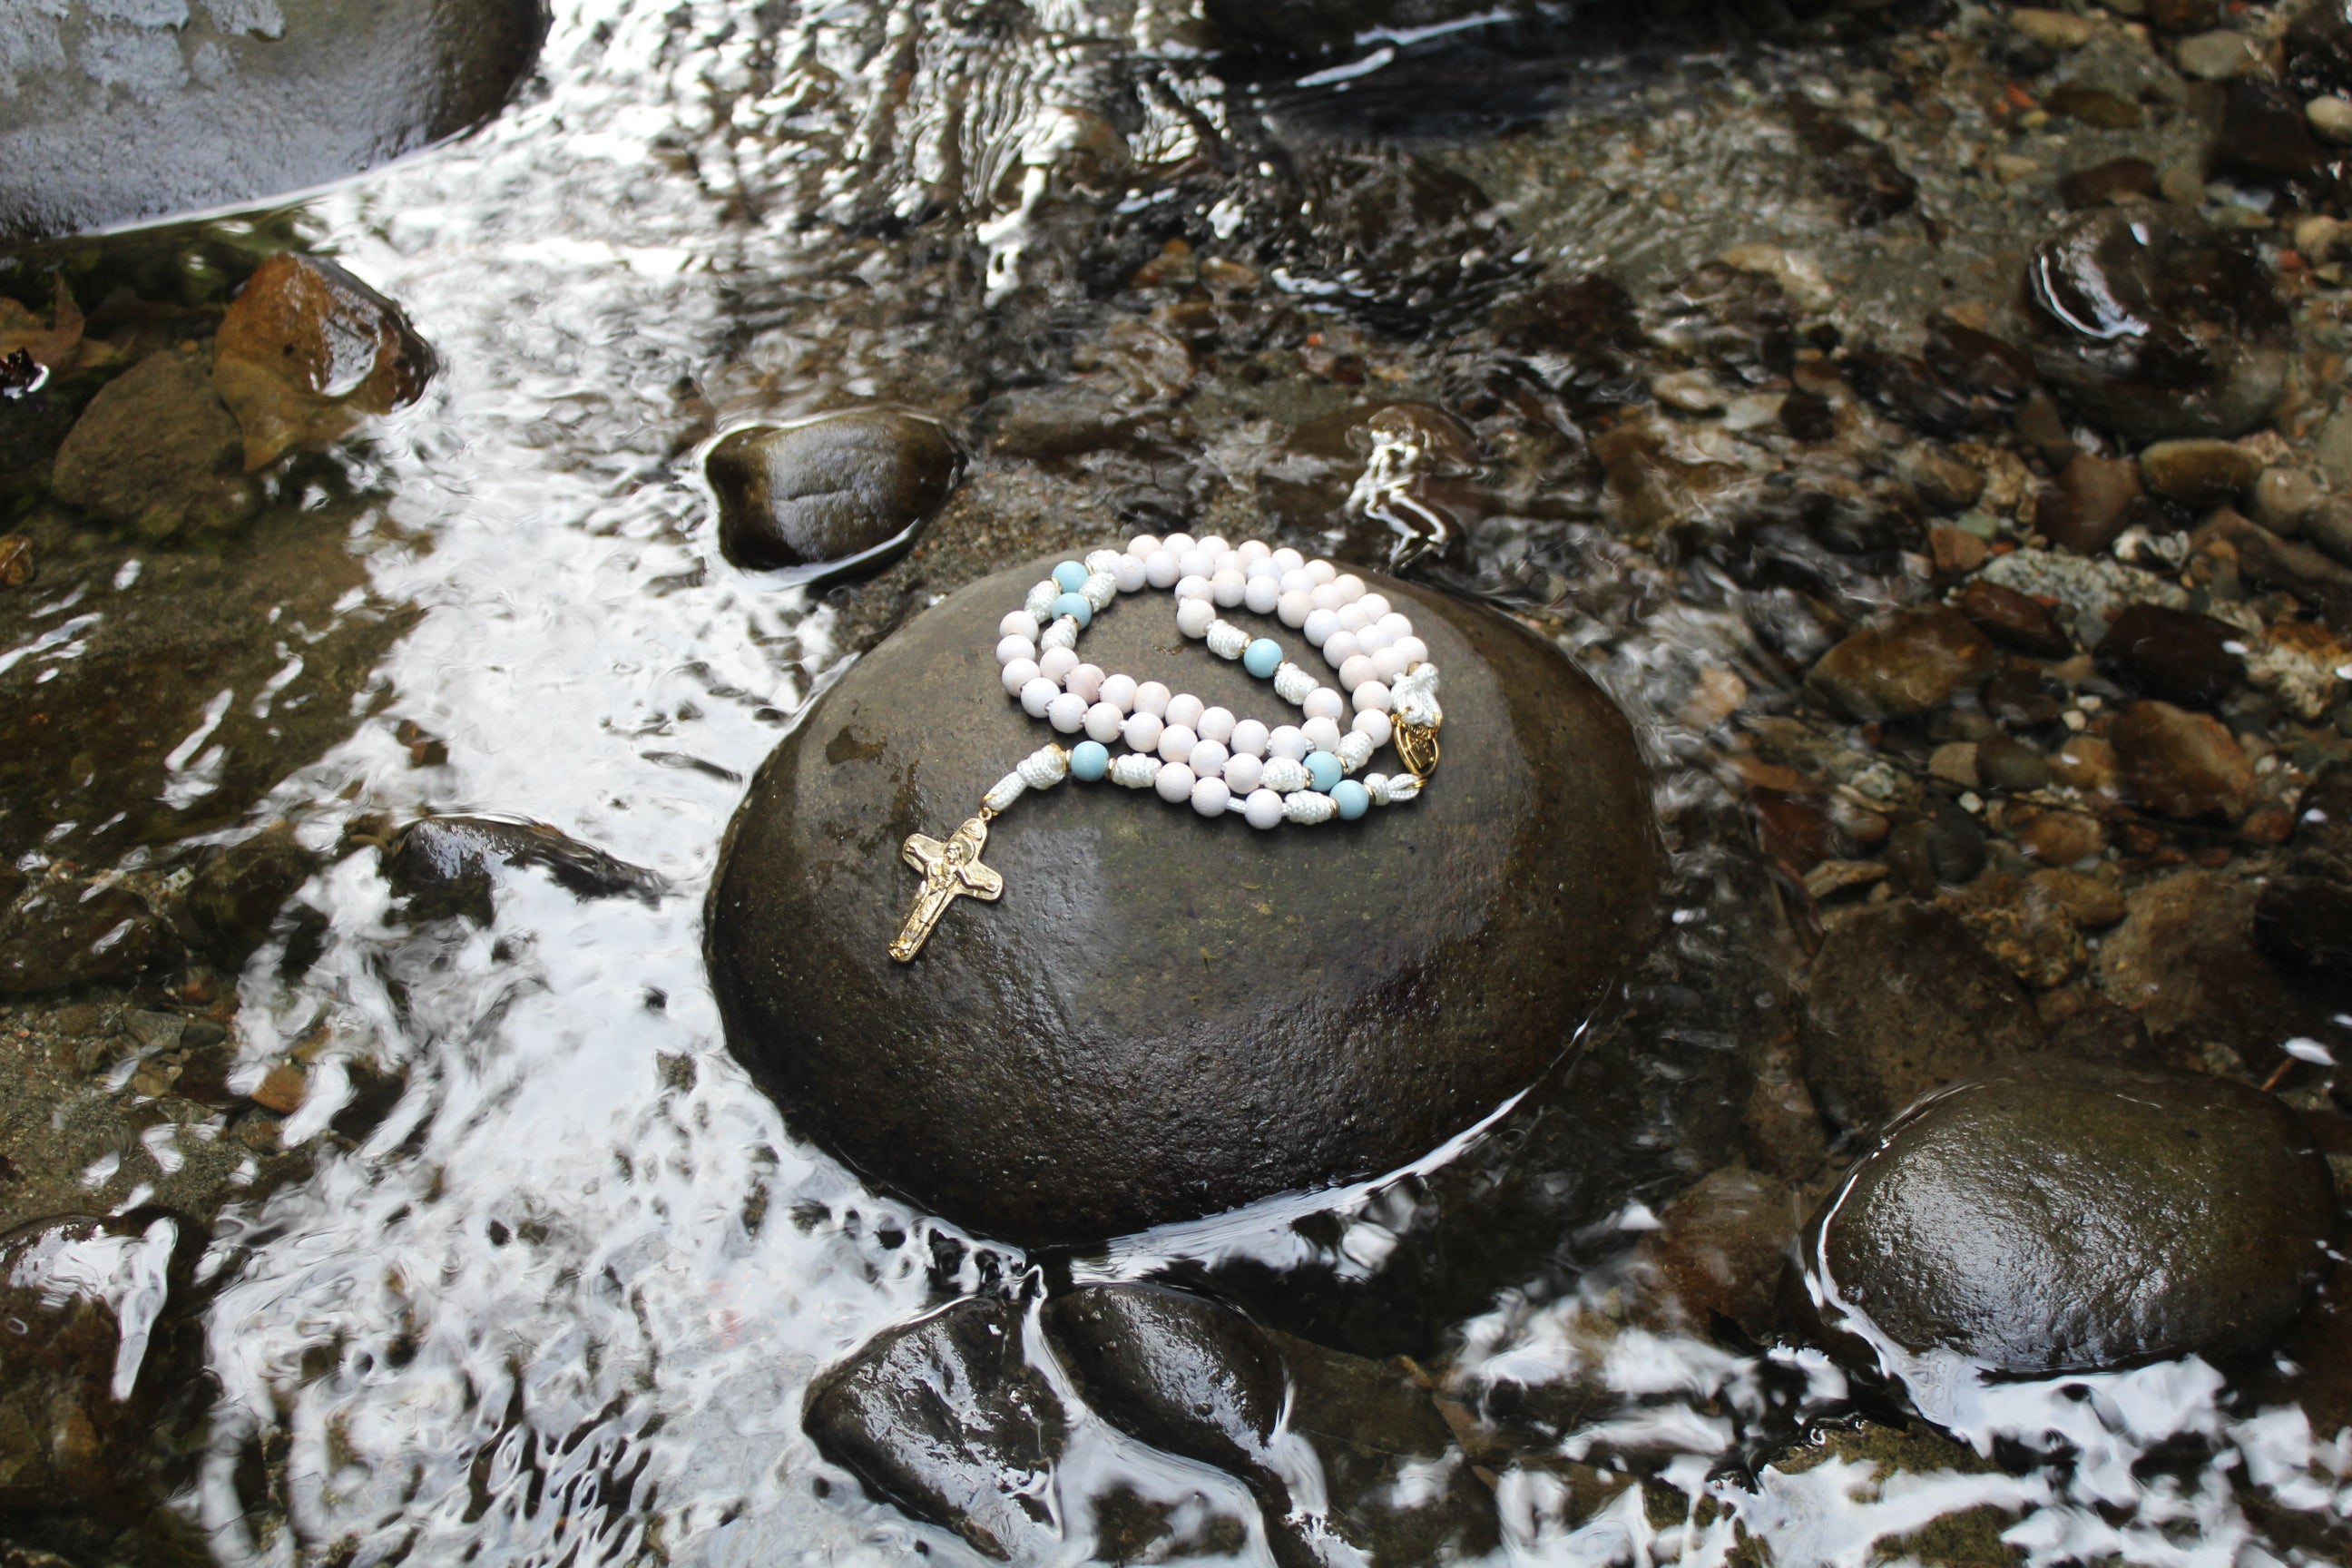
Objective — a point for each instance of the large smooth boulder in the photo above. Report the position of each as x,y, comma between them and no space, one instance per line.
113,114
2056,1215
1167,1017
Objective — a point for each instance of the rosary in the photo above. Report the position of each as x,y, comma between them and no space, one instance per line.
1186,750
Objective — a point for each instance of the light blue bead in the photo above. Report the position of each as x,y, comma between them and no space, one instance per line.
1323,769
1076,607
1352,799
1071,576
1261,657
1089,761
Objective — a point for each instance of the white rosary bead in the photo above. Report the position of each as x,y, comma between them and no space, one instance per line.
1119,691
1283,775
1194,616
1063,632
1085,680
1208,759
1244,772
1327,599
1015,647
1371,639
1393,624
1293,609
1056,664
1226,640
1190,586
1099,589
1252,551
1296,581
1374,726
1128,570
1067,712
1176,743
1228,586
1322,734
1248,739
1186,709
1199,562
1141,731
1152,697
1159,568
1133,770
1354,750
1175,783
1037,696
1178,541
1105,722
1018,673
1292,684
1351,586
1389,663
1288,740
1356,673
1215,725
1210,796
1039,605
1375,605
1352,618
1262,594
1321,571
1339,648
1415,651
1372,696
1287,558
1306,807
1017,624
1142,544
1263,809
1318,625
1324,703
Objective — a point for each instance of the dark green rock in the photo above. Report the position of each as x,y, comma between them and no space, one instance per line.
1167,1017
158,452
2056,1215
835,495
120,114
945,1419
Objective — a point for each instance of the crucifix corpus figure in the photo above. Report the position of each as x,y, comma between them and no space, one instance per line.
951,870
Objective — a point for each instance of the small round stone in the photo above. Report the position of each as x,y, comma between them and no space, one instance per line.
1176,743
1373,724
1216,724
1038,696
1248,739
1105,722
1073,604
1208,759
1322,734
1263,809
1056,663
1017,624
1352,799
1175,783
1357,673
1318,625
1227,587
1089,761
1151,698
1186,709
1018,673
1242,772
1262,594
1263,657
1287,741
1067,712
1071,575
1324,769
1162,568
1119,691
1324,703
1210,795
1141,732
1013,647
1085,680
1374,697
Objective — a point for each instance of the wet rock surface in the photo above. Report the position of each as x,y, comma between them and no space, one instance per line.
2055,1215
122,115
1913,662
306,350
831,496
2183,658
1102,1049
158,453
2182,764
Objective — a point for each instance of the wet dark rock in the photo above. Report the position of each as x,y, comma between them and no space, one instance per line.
306,350
2090,504
2180,765
158,452
2262,135
2284,498
2055,1215
69,934
1041,1084
2199,473
2101,1031
2266,561
831,496
1908,389
2304,917
1718,1252
238,891
2116,180
80,1368
1307,26
1910,663
2014,620
945,1419
1904,999
1178,1372
2175,655
124,114
2185,960
1858,172
1808,416
2006,763
447,866
2155,324
1944,850
17,566
1046,423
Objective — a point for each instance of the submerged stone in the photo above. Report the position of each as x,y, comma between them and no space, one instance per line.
2053,1216
118,114
1166,1017
158,452
306,350
832,495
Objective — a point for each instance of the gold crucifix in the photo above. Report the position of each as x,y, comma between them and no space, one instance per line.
951,870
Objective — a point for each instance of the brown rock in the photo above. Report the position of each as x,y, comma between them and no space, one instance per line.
1903,999
2091,503
1956,551
1719,1252
306,350
1781,1125
2089,901
829,496
2013,620
2175,655
2056,837
2282,497
2180,765
2025,928
2199,472
1909,663
2116,180
157,452
282,1089
2266,561
2185,960
1943,481
2006,763
2086,762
